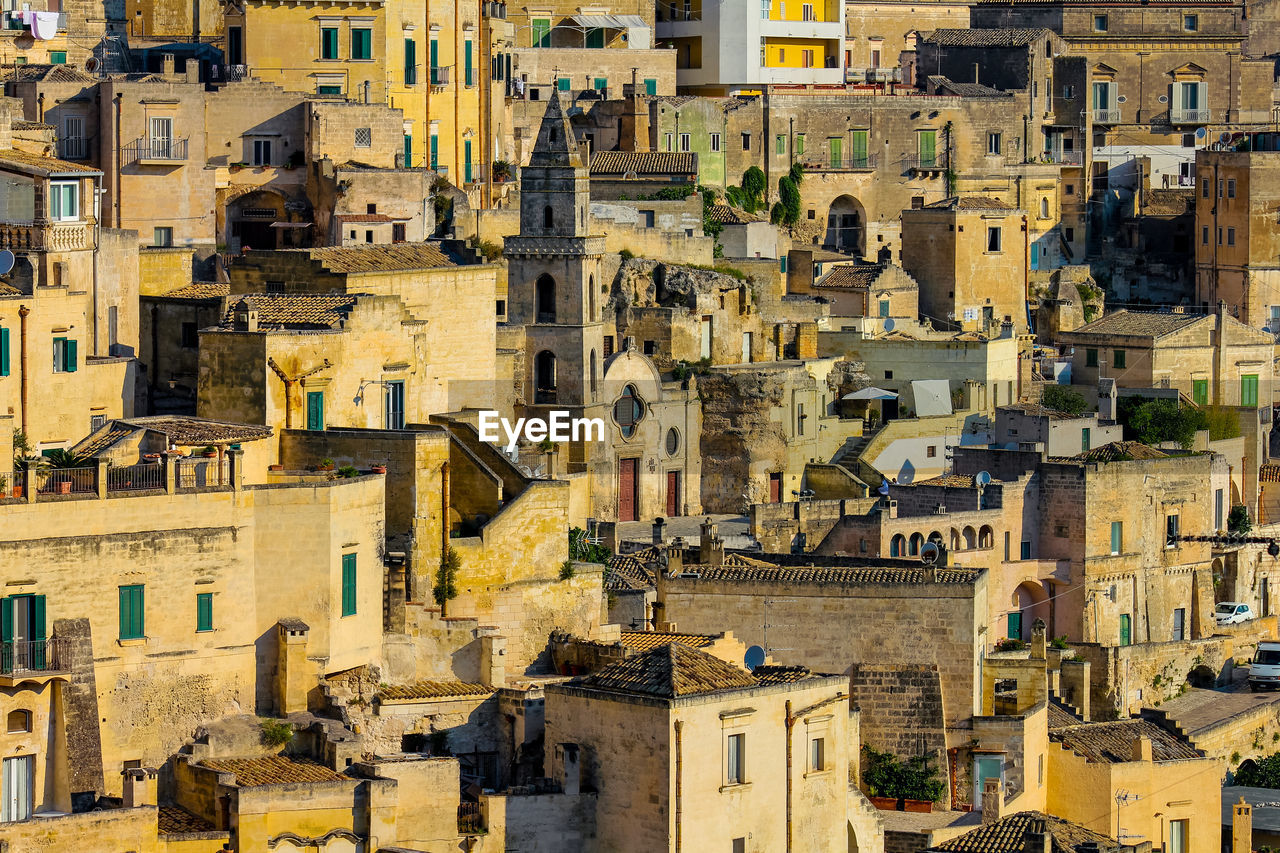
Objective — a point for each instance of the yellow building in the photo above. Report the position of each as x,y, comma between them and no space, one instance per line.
432,62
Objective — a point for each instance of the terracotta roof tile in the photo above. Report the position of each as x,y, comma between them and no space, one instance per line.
273,770
643,641
940,85
986,37
670,671
7,289
952,481
831,575
381,258
1038,410
1112,743
47,165
365,217
1143,324
851,276
970,202
175,820
101,439
299,311
199,290
1008,835
769,674
433,690
644,163
726,215
1119,451
194,432
1060,717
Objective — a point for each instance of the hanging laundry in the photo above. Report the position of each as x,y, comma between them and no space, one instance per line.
45,26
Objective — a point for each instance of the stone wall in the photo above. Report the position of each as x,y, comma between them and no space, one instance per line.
539,823
902,709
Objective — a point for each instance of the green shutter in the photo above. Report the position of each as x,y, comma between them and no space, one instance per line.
435,62
6,635
435,151
858,147
1116,536
466,56
601,83
563,84
408,151
651,87
1200,392
928,147
348,584
1249,390
835,149
69,360
1126,630
204,611
132,612
329,43
315,410
4,352
37,631
1014,628
595,37
410,62
466,160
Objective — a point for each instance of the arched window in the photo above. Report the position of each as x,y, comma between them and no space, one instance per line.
898,546
628,411
970,539
548,217
986,537
913,545
19,721
544,377
545,295
1044,208
591,299
673,441
593,375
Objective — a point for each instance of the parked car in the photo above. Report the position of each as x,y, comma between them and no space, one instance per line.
1264,669
1233,612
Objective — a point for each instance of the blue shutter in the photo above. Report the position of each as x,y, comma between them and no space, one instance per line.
4,352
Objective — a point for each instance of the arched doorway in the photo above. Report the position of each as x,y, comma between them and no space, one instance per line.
250,218
545,295
846,226
1028,603
544,377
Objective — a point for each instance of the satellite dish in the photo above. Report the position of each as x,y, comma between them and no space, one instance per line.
91,64
884,487
6,261
1202,132
929,553
1224,137
982,478
889,324
754,657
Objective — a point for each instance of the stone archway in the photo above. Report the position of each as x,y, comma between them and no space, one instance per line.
251,217
1030,602
846,226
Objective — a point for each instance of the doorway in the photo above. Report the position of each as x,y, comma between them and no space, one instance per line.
628,498
673,493
18,783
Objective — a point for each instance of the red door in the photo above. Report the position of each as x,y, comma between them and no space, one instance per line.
627,489
775,488
673,493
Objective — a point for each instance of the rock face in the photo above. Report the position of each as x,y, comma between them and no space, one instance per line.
649,283
741,443
1070,300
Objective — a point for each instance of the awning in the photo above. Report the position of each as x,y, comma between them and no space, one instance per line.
609,22
870,394
290,224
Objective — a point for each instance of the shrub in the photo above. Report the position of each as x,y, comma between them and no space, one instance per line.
566,570
584,551
446,585
1221,422
1059,643
626,254
347,472
489,250
275,733
753,187
1060,398
886,775
1238,521
1009,644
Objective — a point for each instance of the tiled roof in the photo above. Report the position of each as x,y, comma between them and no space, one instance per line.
48,73
295,310
627,572
193,432
832,575
943,85
1009,835
1113,742
7,289
669,671
644,163
951,481
986,38
1036,409
643,641
1060,717
1144,324
200,290
726,215
47,165
770,674
1269,474
433,690
851,276
381,258
1119,451
32,125
175,820
366,217
970,202
101,439
273,770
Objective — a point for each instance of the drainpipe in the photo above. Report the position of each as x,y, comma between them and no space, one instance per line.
680,780
115,179
791,721
444,507
23,311
40,107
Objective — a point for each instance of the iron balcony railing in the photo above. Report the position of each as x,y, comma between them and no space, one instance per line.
156,148
130,478
73,148
1177,116
1106,116
18,657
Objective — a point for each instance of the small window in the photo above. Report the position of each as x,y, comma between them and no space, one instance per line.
780,144
650,347
686,142
262,152
162,237
715,142
673,441
993,143
278,286
931,451
1171,530
190,337
1091,357
1204,235
1099,23
1071,189
1117,537
736,763
799,144
64,200
1231,187
1118,358
328,90
746,142
361,43
817,754
204,611
57,57
1070,234
502,308
993,239
64,355
328,42
19,721
364,137
1204,189
133,625
888,374
1231,236
1190,23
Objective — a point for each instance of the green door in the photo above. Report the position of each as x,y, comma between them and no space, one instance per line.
835,149
408,151
858,149
315,410
1126,635
1084,440
928,148
1249,389
1200,392
1014,631
595,37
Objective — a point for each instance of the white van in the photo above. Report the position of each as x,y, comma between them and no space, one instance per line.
1264,671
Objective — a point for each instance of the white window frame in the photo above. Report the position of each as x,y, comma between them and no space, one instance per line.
715,142
56,212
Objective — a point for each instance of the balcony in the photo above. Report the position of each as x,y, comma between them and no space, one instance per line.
440,75
1177,116
842,164
57,237
873,75
34,660
99,480
1063,158
928,166
73,148
1106,116
158,151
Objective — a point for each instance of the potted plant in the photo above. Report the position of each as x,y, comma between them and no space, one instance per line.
209,451
378,469
235,167
501,171
326,464
4,486
63,460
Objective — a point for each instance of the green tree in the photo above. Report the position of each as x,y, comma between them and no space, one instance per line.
1061,398
753,187
1260,773
787,210
1238,521
446,586
886,775
1154,421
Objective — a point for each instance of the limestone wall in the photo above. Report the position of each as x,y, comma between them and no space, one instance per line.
539,823
126,829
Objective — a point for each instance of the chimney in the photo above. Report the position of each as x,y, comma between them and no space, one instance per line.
675,556
1107,399
295,674
572,770
1241,827
1038,645
976,66
1141,749
1037,839
806,340
493,651
711,546
659,530
167,65
139,787
1006,329
992,801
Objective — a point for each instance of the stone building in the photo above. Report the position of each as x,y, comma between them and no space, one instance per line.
1235,235
854,289
878,33
645,464
69,306
678,744
966,255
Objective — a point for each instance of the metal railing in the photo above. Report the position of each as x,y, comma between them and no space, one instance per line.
157,148
1177,116
470,819
22,656
194,473
936,163
1064,158
1106,116
73,148
835,164
440,75
66,481
130,478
